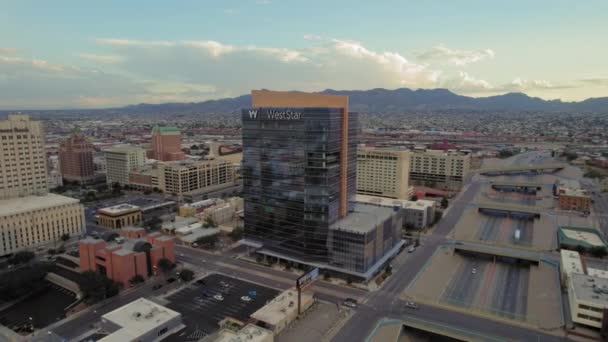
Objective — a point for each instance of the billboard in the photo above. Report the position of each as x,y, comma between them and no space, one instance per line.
307,278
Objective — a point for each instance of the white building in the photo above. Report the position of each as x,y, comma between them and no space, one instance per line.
192,178
383,172
248,333
282,310
439,168
224,211
120,160
570,263
141,320
23,164
37,220
588,298
419,214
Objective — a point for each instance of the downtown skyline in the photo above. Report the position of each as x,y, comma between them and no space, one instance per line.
68,55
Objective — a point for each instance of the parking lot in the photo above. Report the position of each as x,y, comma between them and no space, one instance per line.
201,312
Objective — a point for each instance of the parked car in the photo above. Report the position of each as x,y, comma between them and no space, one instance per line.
218,297
170,280
246,299
350,302
206,294
411,305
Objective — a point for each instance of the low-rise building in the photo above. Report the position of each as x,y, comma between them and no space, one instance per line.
141,320
418,214
363,240
121,258
248,333
119,216
571,196
282,310
588,298
180,221
223,211
570,263
580,238
31,221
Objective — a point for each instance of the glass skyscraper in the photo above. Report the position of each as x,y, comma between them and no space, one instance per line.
299,170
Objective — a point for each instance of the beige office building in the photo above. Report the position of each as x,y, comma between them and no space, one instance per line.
383,172
22,157
120,160
31,221
442,169
119,216
190,178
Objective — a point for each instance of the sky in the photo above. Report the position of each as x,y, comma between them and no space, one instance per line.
94,54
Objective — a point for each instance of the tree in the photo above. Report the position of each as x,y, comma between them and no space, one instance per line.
186,274
65,236
444,203
208,240
598,251
22,257
136,279
414,198
326,275
236,234
96,287
116,189
154,223
570,156
165,265
90,196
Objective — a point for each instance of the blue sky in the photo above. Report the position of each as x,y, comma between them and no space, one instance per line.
71,54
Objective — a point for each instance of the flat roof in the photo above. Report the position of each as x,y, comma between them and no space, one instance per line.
137,318
18,205
571,262
199,233
119,208
280,307
249,333
590,289
586,237
597,273
179,222
391,202
363,219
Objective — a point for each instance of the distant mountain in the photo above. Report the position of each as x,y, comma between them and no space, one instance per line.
397,101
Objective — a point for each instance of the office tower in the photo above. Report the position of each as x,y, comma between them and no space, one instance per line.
298,172
29,215
120,160
76,159
436,168
23,169
383,172
167,144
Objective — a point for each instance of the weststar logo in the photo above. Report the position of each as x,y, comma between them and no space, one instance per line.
253,114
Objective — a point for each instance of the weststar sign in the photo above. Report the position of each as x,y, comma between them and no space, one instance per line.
272,114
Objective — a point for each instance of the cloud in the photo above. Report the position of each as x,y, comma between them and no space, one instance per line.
466,83
313,37
103,59
231,11
263,2
522,85
594,81
7,50
119,42
442,53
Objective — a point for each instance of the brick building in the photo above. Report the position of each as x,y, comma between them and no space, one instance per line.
167,144
76,159
122,256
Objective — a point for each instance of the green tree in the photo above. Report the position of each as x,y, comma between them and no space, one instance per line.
116,189
154,223
414,198
186,274
65,237
20,282
208,240
136,279
96,287
598,251
165,265
444,203
90,196
22,257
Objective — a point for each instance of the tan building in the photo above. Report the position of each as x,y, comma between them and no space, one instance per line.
435,168
31,221
76,159
119,216
120,160
277,314
383,172
588,297
145,177
190,178
23,167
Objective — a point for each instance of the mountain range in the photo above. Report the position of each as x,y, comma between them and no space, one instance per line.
396,101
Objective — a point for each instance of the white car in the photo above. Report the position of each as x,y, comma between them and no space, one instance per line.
474,271
411,305
218,297
246,299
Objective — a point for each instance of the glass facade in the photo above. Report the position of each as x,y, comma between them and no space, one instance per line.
292,175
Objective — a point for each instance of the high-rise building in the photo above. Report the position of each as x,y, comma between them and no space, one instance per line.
120,160
299,155
76,159
29,215
383,172
23,169
167,144
436,168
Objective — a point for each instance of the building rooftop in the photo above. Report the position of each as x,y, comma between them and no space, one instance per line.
123,149
597,273
284,305
391,202
199,233
28,203
136,319
165,129
363,219
586,237
590,289
248,333
571,262
179,222
119,209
